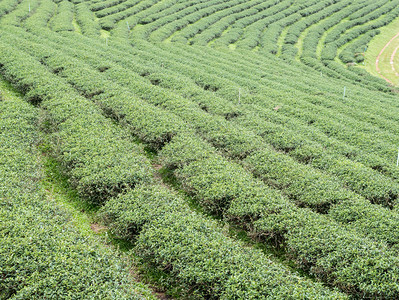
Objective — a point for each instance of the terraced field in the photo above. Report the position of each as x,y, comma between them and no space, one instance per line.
240,149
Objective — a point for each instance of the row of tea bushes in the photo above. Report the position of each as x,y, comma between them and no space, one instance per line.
304,185
265,278
42,254
197,252
101,160
316,243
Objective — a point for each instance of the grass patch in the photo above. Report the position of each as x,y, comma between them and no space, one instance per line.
280,40
7,91
57,187
105,34
376,45
76,26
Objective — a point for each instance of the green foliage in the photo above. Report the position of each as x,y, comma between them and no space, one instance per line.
201,263
266,143
68,125
7,6
127,214
42,255
225,188
101,161
184,149
193,250
215,182
62,21
86,20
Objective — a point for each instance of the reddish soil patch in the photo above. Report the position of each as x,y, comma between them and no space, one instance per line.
157,166
98,228
392,61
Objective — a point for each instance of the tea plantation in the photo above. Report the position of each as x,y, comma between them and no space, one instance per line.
216,149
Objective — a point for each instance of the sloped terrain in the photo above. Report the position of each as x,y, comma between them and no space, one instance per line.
178,119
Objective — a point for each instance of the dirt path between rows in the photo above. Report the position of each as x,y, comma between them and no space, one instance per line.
392,61
377,61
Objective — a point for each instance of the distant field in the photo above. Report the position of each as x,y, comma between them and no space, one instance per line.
388,54
199,149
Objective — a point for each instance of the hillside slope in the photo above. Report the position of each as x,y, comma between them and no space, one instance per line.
181,118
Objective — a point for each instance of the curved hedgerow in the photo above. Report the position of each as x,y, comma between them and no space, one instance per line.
62,21
64,114
224,188
42,254
310,196
298,150
86,20
85,141
378,189
197,252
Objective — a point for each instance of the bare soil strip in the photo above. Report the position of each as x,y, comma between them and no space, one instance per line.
392,61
